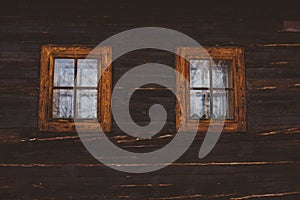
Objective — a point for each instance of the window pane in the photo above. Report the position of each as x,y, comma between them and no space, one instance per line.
87,103
199,73
222,74
87,72
64,72
223,104
63,103
199,104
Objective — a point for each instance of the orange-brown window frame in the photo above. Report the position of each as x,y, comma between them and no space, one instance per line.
236,55
48,54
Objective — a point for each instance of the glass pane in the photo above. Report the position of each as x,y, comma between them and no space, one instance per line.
64,72
87,72
222,74
63,103
223,104
87,104
199,73
199,104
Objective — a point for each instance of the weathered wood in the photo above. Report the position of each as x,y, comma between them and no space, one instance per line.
48,53
262,163
236,55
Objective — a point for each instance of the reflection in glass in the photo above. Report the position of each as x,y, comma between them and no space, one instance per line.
200,88
199,104
87,72
222,74
64,72
199,73
87,104
63,103
222,104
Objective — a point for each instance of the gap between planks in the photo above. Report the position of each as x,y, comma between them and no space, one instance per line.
266,195
279,45
193,196
135,165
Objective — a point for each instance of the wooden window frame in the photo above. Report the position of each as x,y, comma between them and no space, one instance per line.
236,55
48,54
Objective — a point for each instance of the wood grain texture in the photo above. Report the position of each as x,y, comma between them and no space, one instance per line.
262,163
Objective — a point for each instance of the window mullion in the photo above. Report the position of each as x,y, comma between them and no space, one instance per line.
75,90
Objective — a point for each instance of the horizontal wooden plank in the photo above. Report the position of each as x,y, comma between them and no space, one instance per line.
264,57
262,163
171,181
231,147
276,72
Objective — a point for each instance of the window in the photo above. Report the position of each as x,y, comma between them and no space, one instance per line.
70,88
216,88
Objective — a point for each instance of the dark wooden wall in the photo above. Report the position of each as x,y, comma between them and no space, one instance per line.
263,162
